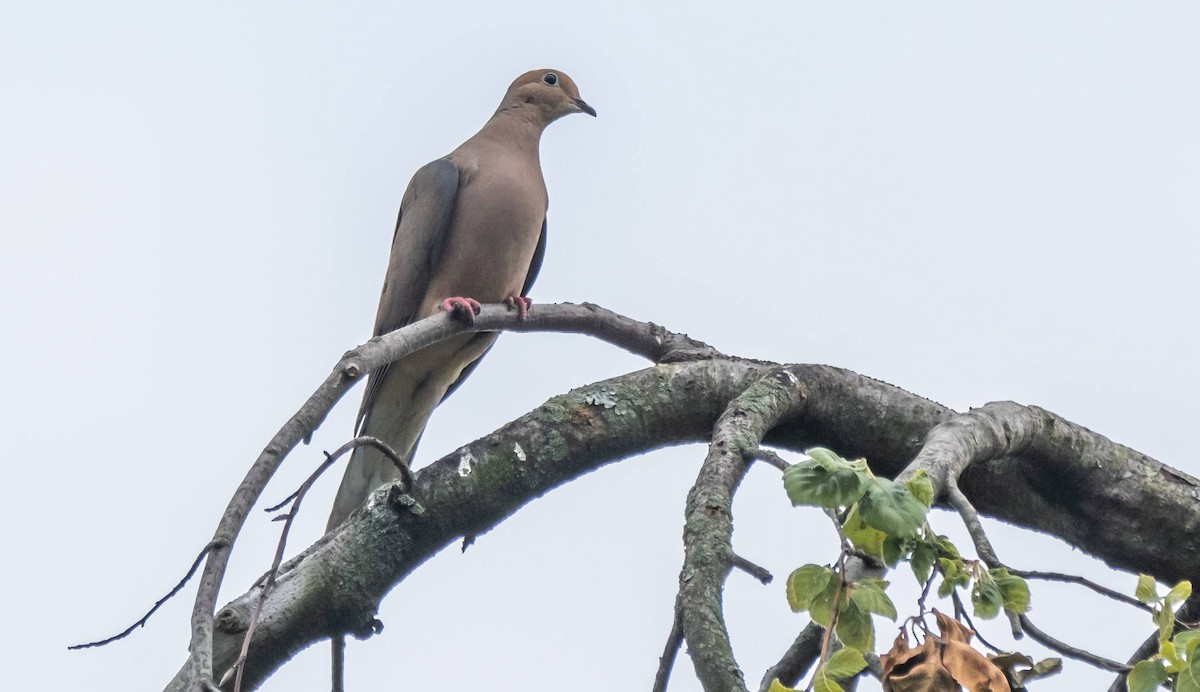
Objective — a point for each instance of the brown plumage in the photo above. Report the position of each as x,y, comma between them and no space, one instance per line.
471,225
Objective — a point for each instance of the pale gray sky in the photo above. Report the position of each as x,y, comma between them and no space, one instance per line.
971,202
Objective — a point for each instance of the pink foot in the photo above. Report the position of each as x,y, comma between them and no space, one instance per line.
462,308
519,303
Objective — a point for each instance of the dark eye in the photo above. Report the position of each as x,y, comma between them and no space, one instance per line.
550,78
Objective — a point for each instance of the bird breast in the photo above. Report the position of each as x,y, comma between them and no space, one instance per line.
494,231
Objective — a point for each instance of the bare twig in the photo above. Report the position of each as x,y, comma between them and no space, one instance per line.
1070,651
960,610
970,518
756,571
338,669
680,403
641,338
772,458
666,662
298,497
212,545
983,546
1074,579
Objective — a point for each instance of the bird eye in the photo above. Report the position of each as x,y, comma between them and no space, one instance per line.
550,78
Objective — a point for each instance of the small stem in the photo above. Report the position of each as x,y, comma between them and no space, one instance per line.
759,573
1070,651
667,661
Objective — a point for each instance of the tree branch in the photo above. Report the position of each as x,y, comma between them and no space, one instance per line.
1104,498
708,527
641,338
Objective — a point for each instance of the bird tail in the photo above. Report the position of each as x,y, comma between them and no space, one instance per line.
397,411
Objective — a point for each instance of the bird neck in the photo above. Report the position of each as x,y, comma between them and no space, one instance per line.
516,125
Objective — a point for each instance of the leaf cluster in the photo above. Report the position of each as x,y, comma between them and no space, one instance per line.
885,521
1176,661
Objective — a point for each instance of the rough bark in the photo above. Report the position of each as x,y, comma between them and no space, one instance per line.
1061,479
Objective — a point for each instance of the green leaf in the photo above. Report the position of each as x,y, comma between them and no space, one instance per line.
1146,676
831,460
822,683
1014,590
806,582
868,595
954,574
1178,594
894,549
947,549
1187,641
923,557
777,686
891,508
845,663
1174,662
1042,669
986,599
821,484
1020,668
1147,591
861,536
921,487
1165,620
854,628
1189,678
820,608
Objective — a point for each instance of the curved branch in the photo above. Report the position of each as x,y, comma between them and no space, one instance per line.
1034,468
708,528
1115,494
642,338
798,658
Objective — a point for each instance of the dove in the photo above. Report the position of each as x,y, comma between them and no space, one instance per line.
471,230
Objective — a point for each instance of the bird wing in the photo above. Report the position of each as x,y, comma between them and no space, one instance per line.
417,247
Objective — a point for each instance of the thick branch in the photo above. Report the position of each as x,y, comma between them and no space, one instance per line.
642,338
335,585
1031,467
708,529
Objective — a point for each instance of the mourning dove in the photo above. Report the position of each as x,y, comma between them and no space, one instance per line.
471,230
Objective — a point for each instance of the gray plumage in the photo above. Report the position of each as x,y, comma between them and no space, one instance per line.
472,224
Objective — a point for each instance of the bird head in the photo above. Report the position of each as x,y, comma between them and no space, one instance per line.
550,94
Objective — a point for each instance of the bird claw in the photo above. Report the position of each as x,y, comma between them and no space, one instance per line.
462,308
519,303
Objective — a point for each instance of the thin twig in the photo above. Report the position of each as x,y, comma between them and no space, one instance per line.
641,338
771,458
158,604
338,667
759,573
970,518
834,610
925,592
1069,651
983,546
297,498
666,662
961,611
1074,579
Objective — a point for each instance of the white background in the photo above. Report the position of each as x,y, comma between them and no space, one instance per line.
973,203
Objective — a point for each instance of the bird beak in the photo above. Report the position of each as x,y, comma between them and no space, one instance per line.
584,108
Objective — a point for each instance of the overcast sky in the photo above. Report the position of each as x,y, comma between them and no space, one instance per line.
973,203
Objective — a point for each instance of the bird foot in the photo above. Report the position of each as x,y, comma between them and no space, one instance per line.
462,308
519,303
